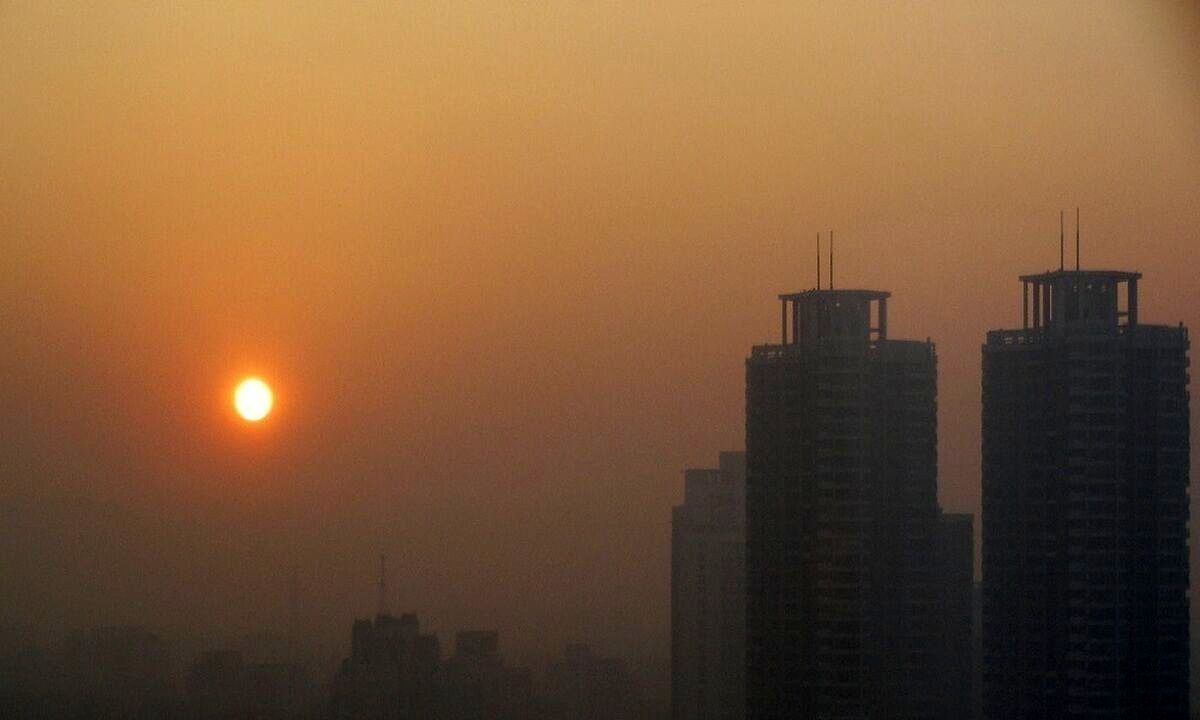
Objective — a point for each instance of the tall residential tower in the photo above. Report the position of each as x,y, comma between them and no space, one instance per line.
845,594
1085,506
708,593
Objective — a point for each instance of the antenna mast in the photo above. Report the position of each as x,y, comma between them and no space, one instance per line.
1061,244
293,638
830,259
1077,238
818,261
383,605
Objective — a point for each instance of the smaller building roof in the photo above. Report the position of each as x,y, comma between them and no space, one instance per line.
1117,275
867,295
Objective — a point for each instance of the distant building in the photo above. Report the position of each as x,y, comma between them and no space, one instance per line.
708,593
1085,506
117,672
586,686
393,672
845,602
27,688
215,686
479,686
955,547
221,686
396,672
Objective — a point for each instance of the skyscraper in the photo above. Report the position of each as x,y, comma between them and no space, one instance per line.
394,671
1085,506
708,593
843,594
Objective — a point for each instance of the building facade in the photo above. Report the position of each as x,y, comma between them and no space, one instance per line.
586,686
480,686
394,672
1085,506
955,548
708,569
844,599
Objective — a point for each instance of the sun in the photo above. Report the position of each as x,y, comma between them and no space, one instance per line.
253,399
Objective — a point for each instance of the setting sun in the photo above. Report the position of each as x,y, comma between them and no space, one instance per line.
253,399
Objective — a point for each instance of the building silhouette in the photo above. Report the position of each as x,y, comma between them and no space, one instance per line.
394,671
479,686
955,550
708,587
587,686
844,615
118,671
1085,506
221,685
27,673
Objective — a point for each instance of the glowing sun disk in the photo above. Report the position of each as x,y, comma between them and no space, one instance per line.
253,399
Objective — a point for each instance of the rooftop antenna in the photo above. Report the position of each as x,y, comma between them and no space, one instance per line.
818,261
830,259
294,615
1077,238
383,608
1061,244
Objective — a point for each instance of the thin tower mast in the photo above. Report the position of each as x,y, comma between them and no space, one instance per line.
818,261
1061,243
383,603
293,630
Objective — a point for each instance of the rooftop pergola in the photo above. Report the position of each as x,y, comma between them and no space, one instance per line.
1059,297
814,314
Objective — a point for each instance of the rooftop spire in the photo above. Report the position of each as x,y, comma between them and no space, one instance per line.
1061,243
383,603
818,261
830,259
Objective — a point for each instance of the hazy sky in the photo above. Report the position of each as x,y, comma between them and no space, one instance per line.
503,264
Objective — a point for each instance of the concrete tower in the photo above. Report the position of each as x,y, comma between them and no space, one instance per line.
844,597
708,593
1085,506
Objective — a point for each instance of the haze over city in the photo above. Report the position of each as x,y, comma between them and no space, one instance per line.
502,266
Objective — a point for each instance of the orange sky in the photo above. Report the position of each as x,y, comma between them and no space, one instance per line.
503,265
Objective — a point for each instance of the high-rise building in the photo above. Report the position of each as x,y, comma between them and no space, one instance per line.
587,686
221,685
117,671
1085,506
955,549
479,686
394,671
708,591
843,603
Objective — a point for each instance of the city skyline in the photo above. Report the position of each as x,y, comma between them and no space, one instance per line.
500,266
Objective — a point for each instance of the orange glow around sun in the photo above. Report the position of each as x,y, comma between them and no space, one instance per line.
253,399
